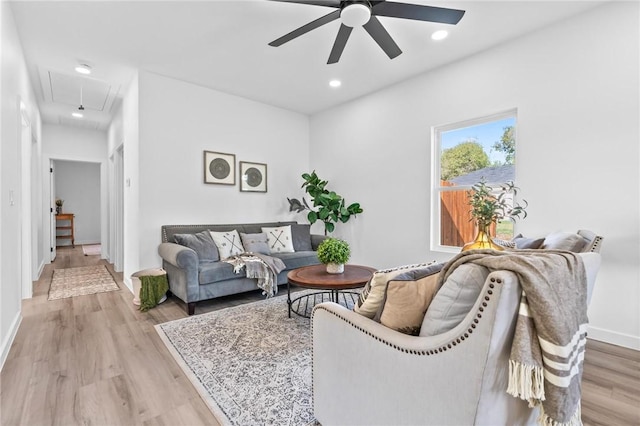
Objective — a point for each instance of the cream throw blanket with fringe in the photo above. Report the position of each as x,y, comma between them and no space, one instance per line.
261,267
545,366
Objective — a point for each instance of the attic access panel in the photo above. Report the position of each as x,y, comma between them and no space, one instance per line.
65,89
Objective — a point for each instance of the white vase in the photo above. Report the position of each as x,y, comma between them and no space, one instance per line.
335,268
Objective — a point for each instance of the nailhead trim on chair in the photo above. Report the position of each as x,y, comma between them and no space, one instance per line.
442,348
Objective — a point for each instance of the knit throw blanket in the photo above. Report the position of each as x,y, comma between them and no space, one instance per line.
260,266
545,365
152,289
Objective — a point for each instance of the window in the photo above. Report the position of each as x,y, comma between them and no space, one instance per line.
463,153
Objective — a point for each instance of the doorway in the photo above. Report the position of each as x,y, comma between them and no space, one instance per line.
76,186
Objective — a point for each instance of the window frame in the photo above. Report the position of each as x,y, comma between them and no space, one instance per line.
437,189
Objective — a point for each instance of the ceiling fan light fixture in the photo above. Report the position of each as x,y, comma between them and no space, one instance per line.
439,35
77,115
355,15
83,69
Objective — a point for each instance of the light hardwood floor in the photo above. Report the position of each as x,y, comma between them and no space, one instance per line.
97,360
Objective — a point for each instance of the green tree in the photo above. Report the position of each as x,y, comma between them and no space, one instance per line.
462,159
507,145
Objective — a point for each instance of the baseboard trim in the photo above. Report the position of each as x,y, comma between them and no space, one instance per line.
40,269
8,341
614,338
127,282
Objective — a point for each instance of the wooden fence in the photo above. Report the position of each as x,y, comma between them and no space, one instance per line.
455,227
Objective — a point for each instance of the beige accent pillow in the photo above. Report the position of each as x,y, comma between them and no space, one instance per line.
406,301
372,295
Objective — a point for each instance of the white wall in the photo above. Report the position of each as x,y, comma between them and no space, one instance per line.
78,184
79,145
178,121
575,85
14,88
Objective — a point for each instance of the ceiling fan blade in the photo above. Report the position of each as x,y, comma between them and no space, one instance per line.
327,3
382,37
418,12
306,28
339,44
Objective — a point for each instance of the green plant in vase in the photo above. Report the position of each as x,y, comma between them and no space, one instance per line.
334,253
490,205
59,203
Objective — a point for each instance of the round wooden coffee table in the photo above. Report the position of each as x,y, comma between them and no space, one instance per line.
316,277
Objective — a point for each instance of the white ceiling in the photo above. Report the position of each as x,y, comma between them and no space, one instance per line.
224,45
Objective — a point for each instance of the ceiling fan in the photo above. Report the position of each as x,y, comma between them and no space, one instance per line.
354,13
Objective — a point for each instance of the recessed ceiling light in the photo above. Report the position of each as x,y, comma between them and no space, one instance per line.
83,69
77,115
439,35
335,83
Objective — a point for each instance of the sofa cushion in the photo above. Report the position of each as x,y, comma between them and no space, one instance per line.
228,243
255,243
454,299
372,295
298,259
217,271
280,240
406,299
527,243
564,241
201,243
301,236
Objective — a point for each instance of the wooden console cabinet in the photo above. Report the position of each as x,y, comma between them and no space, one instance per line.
64,228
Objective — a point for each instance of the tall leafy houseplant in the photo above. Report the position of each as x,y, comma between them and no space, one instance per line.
490,205
330,207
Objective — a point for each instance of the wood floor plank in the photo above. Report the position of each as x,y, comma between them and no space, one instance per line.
97,360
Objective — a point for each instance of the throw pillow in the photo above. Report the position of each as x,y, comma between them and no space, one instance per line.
527,243
228,243
564,241
279,238
406,300
455,299
201,243
301,235
255,243
504,243
372,295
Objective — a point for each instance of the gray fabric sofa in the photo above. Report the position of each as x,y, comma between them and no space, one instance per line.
192,279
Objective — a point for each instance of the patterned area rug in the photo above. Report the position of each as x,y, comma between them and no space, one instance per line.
251,363
92,249
81,281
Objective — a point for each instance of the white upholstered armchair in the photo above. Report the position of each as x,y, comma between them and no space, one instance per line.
367,374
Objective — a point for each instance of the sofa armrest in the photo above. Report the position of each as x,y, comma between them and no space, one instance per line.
177,255
316,239
181,264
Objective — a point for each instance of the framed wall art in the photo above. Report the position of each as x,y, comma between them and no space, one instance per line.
219,168
253,177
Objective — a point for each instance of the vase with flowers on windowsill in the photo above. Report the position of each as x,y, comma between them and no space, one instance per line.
489,206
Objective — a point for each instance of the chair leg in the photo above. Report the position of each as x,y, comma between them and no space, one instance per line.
191,308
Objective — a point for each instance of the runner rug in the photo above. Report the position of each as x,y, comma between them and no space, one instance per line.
251,364
92,249
70,282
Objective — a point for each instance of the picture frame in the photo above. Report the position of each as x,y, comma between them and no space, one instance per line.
219,168
253,177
